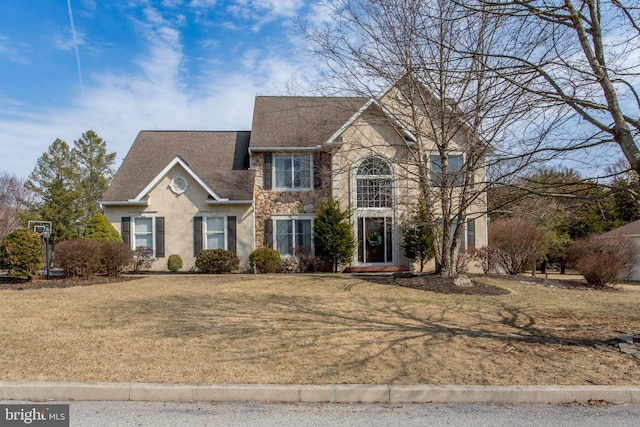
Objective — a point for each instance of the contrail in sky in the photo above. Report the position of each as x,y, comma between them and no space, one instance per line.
75,43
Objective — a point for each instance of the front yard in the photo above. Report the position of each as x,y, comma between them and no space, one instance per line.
325,329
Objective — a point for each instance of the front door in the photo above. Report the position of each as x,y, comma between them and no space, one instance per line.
374,240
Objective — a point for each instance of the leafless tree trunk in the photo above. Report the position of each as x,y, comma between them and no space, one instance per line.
453,96
13,195
586,61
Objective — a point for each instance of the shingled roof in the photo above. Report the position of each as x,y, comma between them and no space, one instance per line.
219,159
300,122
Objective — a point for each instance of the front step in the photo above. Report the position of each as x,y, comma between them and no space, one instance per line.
376,269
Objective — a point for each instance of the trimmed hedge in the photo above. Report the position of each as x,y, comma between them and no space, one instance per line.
217,261
21,253
174,263
265,260
86,258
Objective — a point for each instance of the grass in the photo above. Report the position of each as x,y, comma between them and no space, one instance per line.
324,329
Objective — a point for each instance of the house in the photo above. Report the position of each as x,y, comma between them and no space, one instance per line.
630,231
179,192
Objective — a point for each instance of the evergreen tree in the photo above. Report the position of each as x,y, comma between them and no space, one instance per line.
69,183
99,228
417,239
333,235
95,167
54,182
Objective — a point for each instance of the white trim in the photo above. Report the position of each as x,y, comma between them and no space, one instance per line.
284,149
229,202
225,228
126,203
274,171
138,216
291,217
395,121
177,161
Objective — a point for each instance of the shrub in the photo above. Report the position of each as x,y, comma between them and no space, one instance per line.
115,257
78,258
333,235
99,228
417,238
603,260
174,263
518,243
308,262
265,260
143,257
217,261
21,254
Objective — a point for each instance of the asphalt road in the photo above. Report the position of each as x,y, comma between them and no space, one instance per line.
158,414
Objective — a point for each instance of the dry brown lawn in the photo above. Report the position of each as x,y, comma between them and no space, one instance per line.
323,329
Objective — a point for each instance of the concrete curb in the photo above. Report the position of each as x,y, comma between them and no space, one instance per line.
63,391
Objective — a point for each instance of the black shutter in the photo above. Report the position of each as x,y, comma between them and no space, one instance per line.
197,235
231,233
268,166
317,170
268,233
159,237
126,229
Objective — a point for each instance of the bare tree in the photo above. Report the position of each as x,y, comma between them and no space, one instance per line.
455,109
13,196
585,61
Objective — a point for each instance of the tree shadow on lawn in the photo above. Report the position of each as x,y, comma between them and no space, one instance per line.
352,333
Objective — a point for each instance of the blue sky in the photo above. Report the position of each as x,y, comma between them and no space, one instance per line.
122,66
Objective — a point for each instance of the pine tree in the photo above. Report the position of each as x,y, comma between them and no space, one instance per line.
95,167
54,182
333,235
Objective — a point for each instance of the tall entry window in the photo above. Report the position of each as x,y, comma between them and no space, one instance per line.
374,184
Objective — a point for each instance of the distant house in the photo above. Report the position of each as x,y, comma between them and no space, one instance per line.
180,192
630,231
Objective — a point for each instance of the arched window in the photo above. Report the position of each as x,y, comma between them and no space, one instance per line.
374,182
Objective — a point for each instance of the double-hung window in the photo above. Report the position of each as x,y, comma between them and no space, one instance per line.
455,174
292,171
143,232
292,234
214,233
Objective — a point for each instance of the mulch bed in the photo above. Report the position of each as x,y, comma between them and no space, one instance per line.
16,283
424,282
434,283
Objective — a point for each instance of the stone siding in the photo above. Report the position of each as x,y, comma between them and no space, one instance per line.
292,202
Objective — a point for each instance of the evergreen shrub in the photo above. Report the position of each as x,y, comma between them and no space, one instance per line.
217,261
265,260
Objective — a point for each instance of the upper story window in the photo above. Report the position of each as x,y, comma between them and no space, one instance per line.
374,183
455,174
292,171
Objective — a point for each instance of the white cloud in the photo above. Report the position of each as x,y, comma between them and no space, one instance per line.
157,95
13,51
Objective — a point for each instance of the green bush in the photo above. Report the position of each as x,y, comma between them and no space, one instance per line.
333,235
174,263
217,261
78,258
21,253
115,257
265,260
99,228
